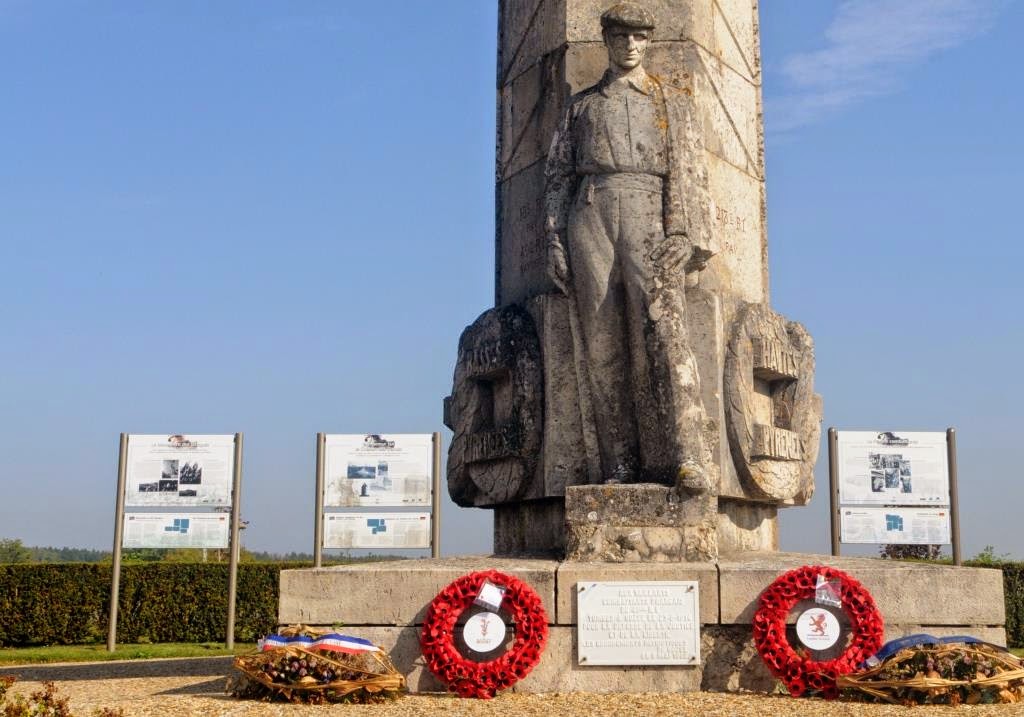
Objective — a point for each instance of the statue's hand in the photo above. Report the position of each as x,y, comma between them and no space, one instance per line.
702,249
698,259
672,252
557,266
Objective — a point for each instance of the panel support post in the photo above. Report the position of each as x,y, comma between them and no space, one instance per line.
318,503
236,503
115,566
954,497
833,486
435,518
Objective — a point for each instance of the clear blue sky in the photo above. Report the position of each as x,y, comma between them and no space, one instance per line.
277,218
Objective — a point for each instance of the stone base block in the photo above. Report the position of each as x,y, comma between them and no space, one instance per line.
535,527
730,662
393,593
639,522
386,603
906,593
570,573
556,672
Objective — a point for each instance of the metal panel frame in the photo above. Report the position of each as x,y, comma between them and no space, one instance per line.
954,497
233,544
318,502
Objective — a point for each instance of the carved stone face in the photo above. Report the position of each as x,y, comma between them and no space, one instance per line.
626,46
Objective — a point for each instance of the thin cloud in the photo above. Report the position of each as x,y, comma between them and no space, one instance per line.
870,45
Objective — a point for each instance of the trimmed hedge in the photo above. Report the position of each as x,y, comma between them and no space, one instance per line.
46,604
1013,590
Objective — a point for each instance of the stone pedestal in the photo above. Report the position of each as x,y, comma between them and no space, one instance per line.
386,603
531,528
639,522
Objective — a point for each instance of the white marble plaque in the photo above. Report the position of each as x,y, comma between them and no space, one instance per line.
653,622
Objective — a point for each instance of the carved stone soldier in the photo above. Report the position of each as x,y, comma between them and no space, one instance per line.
625,222
593,373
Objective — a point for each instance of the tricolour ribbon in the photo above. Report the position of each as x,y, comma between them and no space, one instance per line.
331,642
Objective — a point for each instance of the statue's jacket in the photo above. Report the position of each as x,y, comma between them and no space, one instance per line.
585,143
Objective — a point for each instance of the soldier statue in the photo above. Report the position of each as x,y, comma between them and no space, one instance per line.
622,185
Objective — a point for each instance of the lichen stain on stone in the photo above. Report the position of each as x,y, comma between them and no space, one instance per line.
654,310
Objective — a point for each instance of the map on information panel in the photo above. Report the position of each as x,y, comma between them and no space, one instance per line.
176,530
377,530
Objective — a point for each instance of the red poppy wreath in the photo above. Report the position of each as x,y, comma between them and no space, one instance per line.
483,679
796,669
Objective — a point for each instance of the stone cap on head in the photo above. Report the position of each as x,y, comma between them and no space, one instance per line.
627,14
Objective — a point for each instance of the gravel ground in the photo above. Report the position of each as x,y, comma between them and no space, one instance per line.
195,687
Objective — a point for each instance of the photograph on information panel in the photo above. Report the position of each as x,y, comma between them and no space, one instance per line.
889,468
374,469
178,470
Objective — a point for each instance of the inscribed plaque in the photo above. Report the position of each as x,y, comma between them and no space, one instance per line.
638,623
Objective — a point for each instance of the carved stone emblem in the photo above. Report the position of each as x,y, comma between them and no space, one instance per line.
495,409
773,416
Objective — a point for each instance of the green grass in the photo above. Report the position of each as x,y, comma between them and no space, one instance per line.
96,653
1018,651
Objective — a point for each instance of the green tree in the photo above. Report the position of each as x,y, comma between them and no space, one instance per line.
988,556
910,552
51,554
12,551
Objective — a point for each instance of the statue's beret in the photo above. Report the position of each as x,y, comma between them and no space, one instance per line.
627,14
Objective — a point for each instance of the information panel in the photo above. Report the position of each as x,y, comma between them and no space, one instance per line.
377,530
892,468
638,623
913,526
371,469
176,530
179,471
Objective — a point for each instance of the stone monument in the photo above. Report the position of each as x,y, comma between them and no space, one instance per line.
632,409
632,367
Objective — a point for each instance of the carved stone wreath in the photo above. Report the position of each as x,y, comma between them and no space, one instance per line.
773,416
